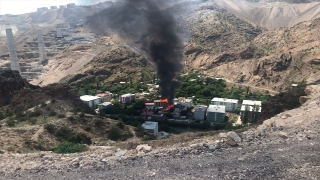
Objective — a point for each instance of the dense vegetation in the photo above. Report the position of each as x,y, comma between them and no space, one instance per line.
202,88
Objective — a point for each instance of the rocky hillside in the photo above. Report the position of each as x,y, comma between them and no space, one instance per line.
104,44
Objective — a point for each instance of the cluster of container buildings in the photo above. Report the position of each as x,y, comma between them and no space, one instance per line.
219,106
70,5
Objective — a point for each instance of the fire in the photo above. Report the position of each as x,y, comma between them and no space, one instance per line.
164,100
169,105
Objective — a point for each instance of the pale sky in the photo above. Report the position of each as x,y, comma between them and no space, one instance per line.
26,6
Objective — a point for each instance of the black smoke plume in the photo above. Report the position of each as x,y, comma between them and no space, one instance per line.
164,46
156,30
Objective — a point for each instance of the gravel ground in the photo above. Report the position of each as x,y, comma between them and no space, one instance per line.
283,158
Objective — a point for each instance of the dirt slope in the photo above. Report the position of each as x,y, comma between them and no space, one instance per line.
271,15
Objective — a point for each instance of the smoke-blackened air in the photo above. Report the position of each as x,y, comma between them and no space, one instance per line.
164,47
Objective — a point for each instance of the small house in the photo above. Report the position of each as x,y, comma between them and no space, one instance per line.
104,105
200,112
92,101
151,127
105,97
230,104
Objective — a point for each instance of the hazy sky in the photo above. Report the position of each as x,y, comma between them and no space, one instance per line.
25,6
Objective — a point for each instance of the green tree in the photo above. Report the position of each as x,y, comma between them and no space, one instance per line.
246,115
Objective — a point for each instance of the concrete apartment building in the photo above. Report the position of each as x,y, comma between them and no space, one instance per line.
230,104
250,106
105,97
216,113
200,112
127,98
151,127
92,101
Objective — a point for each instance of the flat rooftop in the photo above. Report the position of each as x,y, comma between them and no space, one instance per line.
225,100
250,108
105,104
217,109
89,98
251,102
201,108
150,125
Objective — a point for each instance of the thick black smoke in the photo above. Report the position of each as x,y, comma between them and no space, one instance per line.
164,47
156,29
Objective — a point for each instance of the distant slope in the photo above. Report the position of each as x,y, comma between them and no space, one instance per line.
271,15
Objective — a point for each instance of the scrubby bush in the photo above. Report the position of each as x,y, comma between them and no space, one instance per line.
43,104
80,138
99,123
50,128
148,137
1,116
61,115
115,133
82,115
139,131
64,133
72,119
52,113
37,112
32,121
11,123
88,128
69,147
120,125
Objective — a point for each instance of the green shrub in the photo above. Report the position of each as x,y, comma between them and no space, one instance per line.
139,131
1,116
80,138
82,115
69,147
50,128
64,133
99,123
11,123
61,115
115,133
9,113
52,113
88,129
148,137
32,121
120,124
72,119
1,152
35,113
43,105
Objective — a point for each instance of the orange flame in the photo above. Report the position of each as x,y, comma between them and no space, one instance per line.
169,107
164,100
